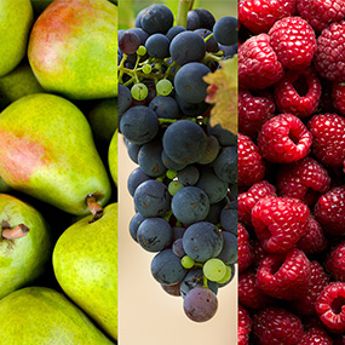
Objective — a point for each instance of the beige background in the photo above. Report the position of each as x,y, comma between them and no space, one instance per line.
148,315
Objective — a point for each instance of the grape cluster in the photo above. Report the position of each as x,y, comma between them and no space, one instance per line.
184,189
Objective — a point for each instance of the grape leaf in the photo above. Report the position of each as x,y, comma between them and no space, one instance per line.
223,93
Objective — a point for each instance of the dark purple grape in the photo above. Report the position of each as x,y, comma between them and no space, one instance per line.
173,290
129,42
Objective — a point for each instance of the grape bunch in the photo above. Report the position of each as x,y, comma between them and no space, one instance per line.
184,189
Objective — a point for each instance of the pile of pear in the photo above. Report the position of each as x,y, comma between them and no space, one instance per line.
58,172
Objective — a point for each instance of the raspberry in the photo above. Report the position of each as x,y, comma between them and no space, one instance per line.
336,262
338,96
245,252
279,223
314,241
330,211
284,277
247,200
305,304
316,336
251,168
330,307
330,53
253,111
244,326
258,252
320,13
249,293
298,93
259,16
275,326
258,65
284,139
328,132
303,180
294,42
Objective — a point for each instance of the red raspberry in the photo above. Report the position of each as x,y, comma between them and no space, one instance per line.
253,111
330,211
303,180
330,307
338,96
336,262
314,240
249,293
279,223
284,139
305,304
258,252
330,53
275,326
316,336
284,277
244,326
328,132
294,42
245,252
247,200
251,168
259,16
258,65
320,13
298,93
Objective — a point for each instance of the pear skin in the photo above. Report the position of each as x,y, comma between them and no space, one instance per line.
15,22
85,265
47,151
42,316
22,259
112,157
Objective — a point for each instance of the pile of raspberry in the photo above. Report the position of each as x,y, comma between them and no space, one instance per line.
291,172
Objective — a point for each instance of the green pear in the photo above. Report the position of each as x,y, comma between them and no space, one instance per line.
73,48
15,21
24,244
42,316
85,265
47,151
3,186
17,84
112,157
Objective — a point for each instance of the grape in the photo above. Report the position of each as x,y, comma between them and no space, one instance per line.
206,18
143,35
202,241
230,273
157,19
193,21
124,99
187,262
154,234
173,31
225,30
166,268
164,87
152,199
225,166
149,159
174,187
129,42
189,83
189,176
165,107
134,120
200,304
211,44
171,174
229,51
138,19
214,213
187,47
139,91
229,252
190,204
134,224
214,270
136,177
157,46
177,248
178,232
224,137
192,109
229,218
133,151
173,290
141,52
184,142
211,151
170,164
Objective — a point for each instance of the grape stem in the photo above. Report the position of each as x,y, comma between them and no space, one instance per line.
206,39
14,233
205,282
183,7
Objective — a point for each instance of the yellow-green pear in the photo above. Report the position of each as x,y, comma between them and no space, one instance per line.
42,316
112,157
85,265
47,151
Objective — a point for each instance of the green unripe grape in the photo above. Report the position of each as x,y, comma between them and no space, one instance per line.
164,87
171,174
147,69
214,270
141,51
227,276
187,262
174,187
139,91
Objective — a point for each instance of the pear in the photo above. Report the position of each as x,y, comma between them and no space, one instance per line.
73,48
112,157
85,265
24,244
3,186
15,21
42,316
47,151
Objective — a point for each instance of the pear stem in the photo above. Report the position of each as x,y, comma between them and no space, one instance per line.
94,207
18,231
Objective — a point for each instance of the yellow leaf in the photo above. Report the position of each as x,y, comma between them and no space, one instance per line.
223,93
